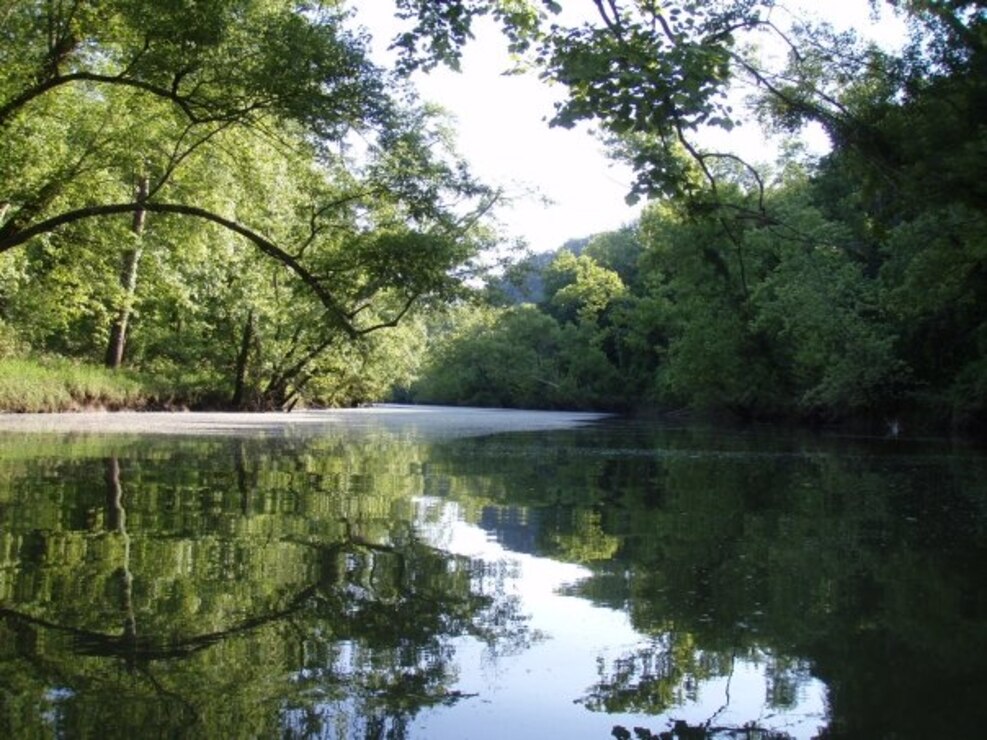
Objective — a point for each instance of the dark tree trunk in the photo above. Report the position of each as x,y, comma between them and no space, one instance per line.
240,382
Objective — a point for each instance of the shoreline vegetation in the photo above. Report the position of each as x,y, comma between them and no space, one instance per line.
58,385
54,384
149,220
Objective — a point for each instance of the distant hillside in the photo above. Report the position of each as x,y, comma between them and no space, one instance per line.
523,282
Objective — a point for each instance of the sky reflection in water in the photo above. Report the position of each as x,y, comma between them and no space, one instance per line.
539,692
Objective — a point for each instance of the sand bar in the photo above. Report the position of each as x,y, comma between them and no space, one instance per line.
422,421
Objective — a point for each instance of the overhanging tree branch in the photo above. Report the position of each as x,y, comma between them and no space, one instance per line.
265,245
195,112
394,320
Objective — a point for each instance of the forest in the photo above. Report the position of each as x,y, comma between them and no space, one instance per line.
230,204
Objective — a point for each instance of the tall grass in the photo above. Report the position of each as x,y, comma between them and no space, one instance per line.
55,384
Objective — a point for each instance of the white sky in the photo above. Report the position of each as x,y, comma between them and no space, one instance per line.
503,131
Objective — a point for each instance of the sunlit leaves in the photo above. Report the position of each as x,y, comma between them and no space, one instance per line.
441,29
274,231
578,287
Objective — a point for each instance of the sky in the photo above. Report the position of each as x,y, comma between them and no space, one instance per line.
561,182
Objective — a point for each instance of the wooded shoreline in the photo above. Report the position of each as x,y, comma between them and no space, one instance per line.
183,202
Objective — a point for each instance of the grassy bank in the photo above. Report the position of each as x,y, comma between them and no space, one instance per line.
54,384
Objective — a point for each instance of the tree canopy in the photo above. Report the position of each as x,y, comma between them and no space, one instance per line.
845,286
138,131
232,193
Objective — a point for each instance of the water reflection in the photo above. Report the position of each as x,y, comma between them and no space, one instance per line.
577,583
227,589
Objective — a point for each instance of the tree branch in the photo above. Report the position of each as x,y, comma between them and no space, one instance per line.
612,23
195,112
395,320
749,167
262,243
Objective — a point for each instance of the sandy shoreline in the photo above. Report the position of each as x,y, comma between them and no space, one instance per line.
418,420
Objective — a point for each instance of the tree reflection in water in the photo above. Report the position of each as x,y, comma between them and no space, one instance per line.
247,594
297,587
681,730
854,562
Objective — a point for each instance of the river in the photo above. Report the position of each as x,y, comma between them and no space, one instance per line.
415,572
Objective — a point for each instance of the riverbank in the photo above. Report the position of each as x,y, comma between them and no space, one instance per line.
77,395
49,384
45,385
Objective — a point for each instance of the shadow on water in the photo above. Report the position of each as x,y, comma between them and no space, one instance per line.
259,587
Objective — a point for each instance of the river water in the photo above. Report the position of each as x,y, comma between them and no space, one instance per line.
439,573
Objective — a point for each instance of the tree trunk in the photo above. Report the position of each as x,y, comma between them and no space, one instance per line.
240,382
128,281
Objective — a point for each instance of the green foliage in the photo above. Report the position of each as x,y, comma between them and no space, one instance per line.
824,317
934,274
227,587
376,367
214,61
184,174
777,318
271,250
557,355
492,357
579,289
441,29
648,75
852,287
619,251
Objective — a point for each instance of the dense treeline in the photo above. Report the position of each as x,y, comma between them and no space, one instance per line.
784,321
232,199
851,287
228,196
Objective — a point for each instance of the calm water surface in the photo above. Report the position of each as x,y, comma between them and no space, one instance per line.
392,581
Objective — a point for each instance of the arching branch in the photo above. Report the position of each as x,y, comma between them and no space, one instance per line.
395,319
195,112
98,643
262,243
